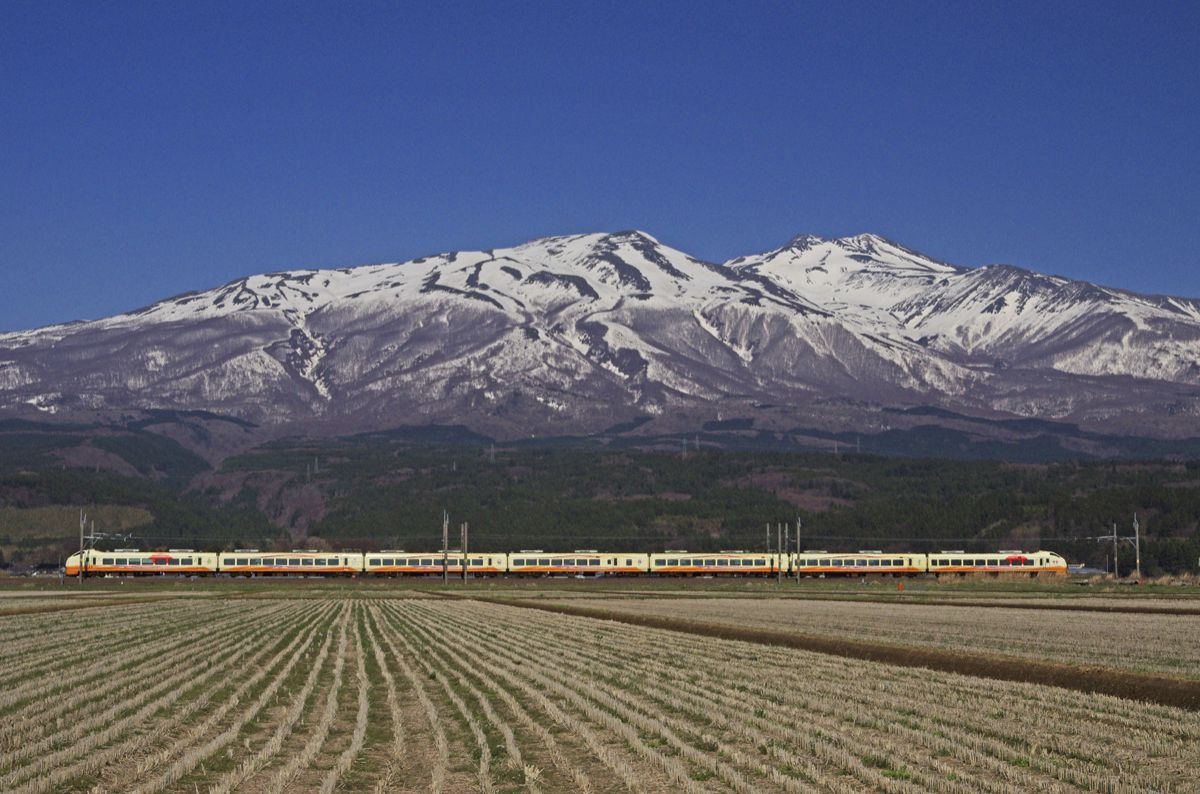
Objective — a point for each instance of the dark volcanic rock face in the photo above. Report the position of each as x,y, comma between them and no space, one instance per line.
570,335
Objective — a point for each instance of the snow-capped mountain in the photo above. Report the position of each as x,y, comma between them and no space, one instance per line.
573,334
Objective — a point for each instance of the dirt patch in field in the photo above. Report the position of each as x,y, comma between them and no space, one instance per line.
1163,690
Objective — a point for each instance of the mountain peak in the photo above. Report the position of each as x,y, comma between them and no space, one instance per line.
633,235
803,242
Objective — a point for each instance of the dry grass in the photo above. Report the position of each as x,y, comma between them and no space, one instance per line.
1144,642
448,695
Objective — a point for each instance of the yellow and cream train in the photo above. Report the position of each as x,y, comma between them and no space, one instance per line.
582,562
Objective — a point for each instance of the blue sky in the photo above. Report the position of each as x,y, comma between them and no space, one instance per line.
154,148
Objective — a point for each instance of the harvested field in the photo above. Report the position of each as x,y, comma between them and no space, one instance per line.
1158,643
402,694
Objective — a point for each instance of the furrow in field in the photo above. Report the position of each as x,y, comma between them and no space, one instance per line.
358,738
581,697
283,777
105,710
467,667
290,717
128,736
1023,743
484,751
54,677
869,705
439,767
389,779
189,750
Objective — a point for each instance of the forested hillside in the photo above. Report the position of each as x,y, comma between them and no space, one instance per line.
389,491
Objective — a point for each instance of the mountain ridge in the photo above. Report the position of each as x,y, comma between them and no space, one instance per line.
576,332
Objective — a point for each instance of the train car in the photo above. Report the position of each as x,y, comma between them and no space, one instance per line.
581,562
252,562
402,563
863,563
676,562
1005,561
135,562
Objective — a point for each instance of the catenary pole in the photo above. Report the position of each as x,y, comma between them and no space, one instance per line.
445,547
797,567
82,522
1116,565
779,553
1137,547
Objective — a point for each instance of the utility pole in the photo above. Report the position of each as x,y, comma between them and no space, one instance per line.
779,553
464,552
787,545
797,567
82,522
445,547
1116,566
1137,546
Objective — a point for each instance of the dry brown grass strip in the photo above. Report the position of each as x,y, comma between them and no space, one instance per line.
1163,690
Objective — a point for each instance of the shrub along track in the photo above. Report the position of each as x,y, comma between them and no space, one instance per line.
1163,690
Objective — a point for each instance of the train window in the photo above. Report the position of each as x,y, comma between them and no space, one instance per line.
106,561
899,562
185,561
172,562
255,561
389,561
306,561
120,561
1027,562
476,561
160,561
240,561
710,563
593,562
660,563
860,563
373,561
873,563
837,563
